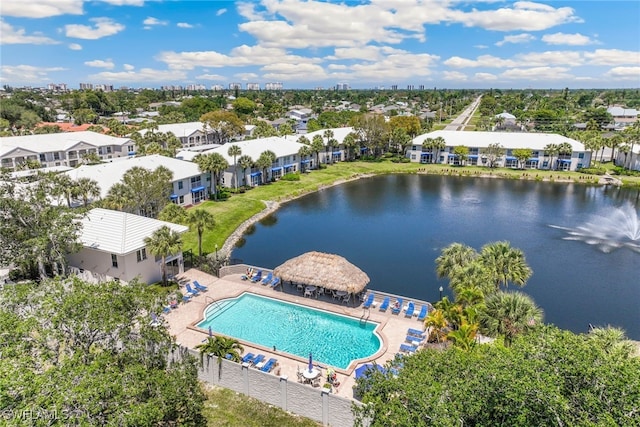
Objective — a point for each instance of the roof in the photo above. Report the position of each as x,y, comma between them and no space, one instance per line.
338,134
108,174
119,232
509,140
281,146
506,115
69,127
178,129
623,112
59,141
326,270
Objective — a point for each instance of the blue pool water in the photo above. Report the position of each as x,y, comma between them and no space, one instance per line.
332,339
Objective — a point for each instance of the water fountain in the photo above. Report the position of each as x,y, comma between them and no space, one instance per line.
613,229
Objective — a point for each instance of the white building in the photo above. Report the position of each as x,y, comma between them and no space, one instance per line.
190,186
113,248
62,149
190,134
478,141
273,86
253,86
338,151
630,160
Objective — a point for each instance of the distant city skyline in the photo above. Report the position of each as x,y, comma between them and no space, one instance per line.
309,44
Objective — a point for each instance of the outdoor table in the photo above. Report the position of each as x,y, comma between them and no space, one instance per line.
310,375
341,293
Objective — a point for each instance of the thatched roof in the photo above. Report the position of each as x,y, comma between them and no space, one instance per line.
326,270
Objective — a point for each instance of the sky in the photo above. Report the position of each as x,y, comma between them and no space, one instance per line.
306,44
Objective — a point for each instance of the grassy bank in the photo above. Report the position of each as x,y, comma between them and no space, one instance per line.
230,213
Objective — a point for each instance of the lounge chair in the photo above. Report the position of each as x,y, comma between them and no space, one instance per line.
257,277
248,275
415,332
173,303
410,309
275,282
369,301
406,348
268,278
200,287
258,359
154,320
385,304
412,339
248,358
271,363
191,291
166,309
186,298
397,307
423,313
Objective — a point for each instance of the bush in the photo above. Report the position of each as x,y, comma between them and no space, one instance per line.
291,177
593,171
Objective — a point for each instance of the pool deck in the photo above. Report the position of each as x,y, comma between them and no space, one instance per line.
392,327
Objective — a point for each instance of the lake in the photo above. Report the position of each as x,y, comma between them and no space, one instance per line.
393,227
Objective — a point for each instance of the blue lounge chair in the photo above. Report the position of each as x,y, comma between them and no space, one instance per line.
200,287
275,282
191,291
257,277
259,358
248,358
397,307
385,304
406,348
271,363
423,313
369,301
268,278
410,309
154,320
412,339
415,332
166,309
186,298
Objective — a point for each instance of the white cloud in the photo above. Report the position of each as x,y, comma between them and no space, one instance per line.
151,22
485,77
624,73
533,59
99,63
11,35
294,72
41,8
221,12
537,74
128,67
248,11
481,46
519,38
103,27
568,39
27,74
246,76
184,25
75,46
143,75
480,61
211,77
454,76
613,57
125,2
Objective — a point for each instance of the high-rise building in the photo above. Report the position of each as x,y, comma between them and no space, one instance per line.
196,87
58,87
86,86
410,87
253,86
342,86
234,86
421,87
273,86
394,87
217,87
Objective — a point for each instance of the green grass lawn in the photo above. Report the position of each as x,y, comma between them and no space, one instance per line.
230,213
225,407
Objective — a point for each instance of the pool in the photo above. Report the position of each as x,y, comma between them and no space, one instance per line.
332,339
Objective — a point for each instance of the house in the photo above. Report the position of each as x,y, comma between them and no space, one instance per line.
190,134
478,141
338,151
113,248
630,159
62,149
623,117
190,186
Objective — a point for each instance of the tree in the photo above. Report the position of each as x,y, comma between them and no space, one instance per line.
461,152
505,264
245,163
317,145
438,324
173,213
141,191
631,136
372,130
285,129
522,154
234,151
87,189
509,314
265,161
453,257
222,125
552,151
244,106
492,153
221,347
200,220
399,140
350,143
304,152
164,242
409,124
328,134
215,164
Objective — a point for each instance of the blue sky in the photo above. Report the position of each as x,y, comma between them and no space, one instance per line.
308,43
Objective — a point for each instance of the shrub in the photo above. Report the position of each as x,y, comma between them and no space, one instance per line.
291,177
593,171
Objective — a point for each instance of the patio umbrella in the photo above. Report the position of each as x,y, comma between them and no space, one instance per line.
368,367
210,332
310,362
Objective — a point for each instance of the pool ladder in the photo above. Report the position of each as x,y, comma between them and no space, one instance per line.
213,301
367,313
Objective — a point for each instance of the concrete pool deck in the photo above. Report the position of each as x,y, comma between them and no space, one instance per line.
392,328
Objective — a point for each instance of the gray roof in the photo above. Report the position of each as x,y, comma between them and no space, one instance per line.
508,140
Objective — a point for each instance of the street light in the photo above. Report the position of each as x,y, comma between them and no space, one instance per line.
440,289
216,253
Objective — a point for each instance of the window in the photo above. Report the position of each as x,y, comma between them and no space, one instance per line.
56,156
114,260
43,158
141,254
413,157
130,148
581,155
181,199
180,185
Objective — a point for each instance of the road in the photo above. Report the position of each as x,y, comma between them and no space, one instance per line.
462,120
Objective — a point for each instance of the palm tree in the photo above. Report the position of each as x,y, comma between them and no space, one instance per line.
221,347
438,324
163,243
303,152
505,264
439,144
265,161
200,220
245,162
454,256
317,145
552,150
464,337
119,198
329,135
631,135
350,142
612,340
565,149
87,188
509,314
234,151
213,163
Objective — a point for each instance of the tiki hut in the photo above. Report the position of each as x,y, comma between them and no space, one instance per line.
324,270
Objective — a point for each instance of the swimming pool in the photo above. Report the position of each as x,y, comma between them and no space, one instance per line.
332,339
